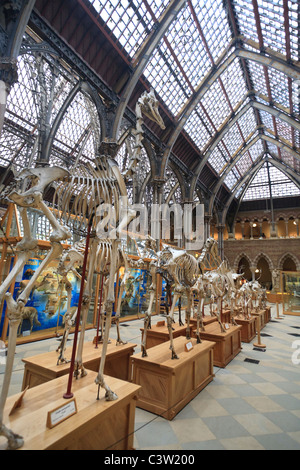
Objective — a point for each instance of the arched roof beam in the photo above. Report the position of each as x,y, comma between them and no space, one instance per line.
287,170
250,175
267,108
273,60
281,145
142,58
80,86
229,168
281,166
294,177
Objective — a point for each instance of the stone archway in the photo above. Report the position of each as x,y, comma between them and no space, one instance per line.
289,262
263,268
243,265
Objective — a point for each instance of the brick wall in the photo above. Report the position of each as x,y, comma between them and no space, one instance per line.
274,250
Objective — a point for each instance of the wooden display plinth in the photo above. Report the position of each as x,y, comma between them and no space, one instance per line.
169,384
248,331
159,334
97,425
263,317
227,345
268,314
42,368
226,316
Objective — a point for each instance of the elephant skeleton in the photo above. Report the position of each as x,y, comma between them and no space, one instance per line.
78,195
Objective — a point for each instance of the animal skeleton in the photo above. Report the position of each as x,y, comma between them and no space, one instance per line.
252,292
184,269
77,197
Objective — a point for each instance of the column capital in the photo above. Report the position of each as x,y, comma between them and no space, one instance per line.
8,71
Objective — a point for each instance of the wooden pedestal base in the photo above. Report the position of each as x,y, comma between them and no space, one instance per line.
263,317
168,385
160,334
268,314
248,331
226,316
42,368
227,345
97,425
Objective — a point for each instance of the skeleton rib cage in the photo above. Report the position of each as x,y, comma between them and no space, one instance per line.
78,197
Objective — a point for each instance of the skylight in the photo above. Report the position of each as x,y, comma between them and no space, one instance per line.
281,185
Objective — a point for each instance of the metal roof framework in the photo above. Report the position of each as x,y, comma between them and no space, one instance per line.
227,74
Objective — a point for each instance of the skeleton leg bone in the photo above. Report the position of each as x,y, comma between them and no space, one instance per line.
199,319
100,381
14,314
117,317
25,250
85,308
188,314
169,324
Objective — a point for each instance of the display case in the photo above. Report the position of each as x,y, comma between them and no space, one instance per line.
290,288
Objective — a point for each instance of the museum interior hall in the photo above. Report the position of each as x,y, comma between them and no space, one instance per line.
150,226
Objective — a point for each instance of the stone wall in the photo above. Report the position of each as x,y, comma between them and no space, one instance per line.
275,251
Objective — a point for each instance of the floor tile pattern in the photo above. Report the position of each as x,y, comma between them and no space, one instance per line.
252,404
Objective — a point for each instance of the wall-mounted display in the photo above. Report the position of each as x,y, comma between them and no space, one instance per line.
47,303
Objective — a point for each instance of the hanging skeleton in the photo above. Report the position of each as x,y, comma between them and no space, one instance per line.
77,197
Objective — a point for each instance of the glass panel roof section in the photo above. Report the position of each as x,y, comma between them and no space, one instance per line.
217,34
130,22
196,40
282,186
192,48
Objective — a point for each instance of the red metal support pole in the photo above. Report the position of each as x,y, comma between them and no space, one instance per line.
69,394
99,312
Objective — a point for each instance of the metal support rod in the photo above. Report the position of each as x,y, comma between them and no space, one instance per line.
99,311
69,394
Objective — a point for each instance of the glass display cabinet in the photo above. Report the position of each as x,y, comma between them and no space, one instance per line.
290,288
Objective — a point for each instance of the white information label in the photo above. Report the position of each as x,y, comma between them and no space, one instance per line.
61,413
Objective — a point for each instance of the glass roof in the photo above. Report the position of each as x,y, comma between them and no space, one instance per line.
281,185
232,134
196,43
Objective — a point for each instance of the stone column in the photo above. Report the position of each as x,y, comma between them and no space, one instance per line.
251,230
274,230
253,269
297,226
243,229
221,240
207,221
286,228
8,76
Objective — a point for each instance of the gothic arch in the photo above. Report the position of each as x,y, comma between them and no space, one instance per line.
285,257
266,257
238,259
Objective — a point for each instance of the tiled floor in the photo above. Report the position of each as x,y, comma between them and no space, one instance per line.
246,406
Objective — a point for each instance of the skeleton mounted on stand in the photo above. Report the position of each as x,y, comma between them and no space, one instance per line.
78,195
184,269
